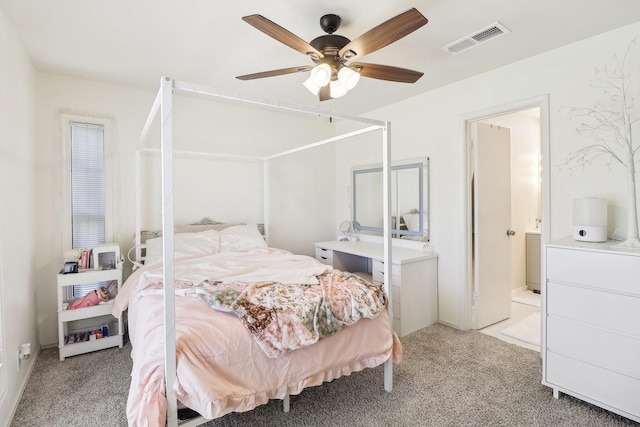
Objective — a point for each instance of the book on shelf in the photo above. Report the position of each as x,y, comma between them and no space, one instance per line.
85,259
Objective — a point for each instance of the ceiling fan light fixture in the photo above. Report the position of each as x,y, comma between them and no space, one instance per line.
337,89
348,77
312,86
321,74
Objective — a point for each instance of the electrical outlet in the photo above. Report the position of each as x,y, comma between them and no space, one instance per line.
24,352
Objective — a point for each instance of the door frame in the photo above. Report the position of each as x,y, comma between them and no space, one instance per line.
541,102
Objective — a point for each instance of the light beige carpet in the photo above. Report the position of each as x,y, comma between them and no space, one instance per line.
448,378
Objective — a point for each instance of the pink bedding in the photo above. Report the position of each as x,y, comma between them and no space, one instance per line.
221,368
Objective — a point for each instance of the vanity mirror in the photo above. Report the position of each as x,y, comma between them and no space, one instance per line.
409,187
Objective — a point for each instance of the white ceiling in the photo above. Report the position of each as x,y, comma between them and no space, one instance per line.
134,42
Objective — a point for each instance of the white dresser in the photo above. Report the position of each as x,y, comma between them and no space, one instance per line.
591,325
414,278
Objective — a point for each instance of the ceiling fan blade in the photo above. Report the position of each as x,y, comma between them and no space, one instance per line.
273,73
384,34
282,35
387,72
325,93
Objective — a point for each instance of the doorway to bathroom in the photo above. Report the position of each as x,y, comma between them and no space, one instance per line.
505,206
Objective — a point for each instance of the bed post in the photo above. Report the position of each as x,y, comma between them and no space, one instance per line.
137,237
168,270
386,180
138,161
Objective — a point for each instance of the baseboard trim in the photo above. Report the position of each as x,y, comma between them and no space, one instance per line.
24,386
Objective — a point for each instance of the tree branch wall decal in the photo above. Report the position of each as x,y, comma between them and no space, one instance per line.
610,123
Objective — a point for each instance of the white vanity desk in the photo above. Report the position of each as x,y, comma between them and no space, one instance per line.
414,281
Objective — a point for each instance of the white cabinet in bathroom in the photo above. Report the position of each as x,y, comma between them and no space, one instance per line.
591,325
534,267
414,278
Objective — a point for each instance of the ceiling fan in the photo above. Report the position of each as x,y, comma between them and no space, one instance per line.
335,72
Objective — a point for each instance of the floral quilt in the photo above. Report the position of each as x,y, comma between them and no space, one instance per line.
284,317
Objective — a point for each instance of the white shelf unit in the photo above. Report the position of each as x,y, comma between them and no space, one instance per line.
115,338
414,281
591,325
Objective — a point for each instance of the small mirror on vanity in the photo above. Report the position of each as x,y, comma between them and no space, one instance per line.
409,194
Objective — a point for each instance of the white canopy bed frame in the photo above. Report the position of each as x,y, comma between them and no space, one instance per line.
163,105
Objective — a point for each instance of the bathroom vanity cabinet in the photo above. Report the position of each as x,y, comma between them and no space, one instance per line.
534,267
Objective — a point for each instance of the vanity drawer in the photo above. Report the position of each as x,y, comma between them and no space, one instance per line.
378,277
325,256
397,326
378,270
395,293
396,310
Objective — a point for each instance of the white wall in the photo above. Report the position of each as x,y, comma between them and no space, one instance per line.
17,217
432,123
302,208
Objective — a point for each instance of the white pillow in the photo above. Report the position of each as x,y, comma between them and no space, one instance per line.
184,244
241,237
412,221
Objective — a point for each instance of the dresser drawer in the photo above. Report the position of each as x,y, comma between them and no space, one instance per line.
599,347
610,388
615,312
325,256
616,272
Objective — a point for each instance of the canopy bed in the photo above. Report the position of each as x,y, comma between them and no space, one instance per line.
157,317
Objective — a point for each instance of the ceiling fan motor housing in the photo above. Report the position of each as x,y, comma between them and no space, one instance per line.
329,44
330,23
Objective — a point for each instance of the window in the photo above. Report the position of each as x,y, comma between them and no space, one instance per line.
87,185
88,198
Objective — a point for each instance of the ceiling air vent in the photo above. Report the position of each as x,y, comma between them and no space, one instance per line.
485,34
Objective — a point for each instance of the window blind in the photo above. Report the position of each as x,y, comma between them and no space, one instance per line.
87,191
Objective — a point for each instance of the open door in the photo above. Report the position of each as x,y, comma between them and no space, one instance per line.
491,224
